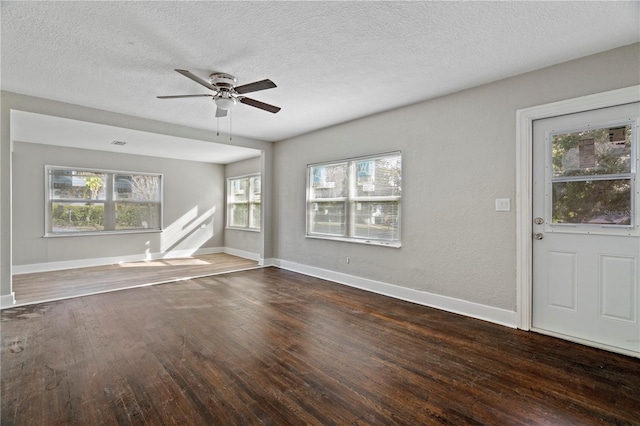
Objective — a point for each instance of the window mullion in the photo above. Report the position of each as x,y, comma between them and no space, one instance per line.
328,200
350,208
582,178
109,204
377,198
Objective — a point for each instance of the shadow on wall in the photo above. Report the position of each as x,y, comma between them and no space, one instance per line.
190,232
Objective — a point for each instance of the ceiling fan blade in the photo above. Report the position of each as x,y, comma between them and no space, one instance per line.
221,112
258,104
197,79
181,96
255,86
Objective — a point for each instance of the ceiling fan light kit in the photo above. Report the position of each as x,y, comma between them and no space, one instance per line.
225,101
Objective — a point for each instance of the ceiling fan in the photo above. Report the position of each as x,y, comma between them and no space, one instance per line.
226,93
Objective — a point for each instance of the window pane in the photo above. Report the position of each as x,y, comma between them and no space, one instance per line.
137,216
592,152
592,202
137,187
254,185
79,185
327,218
377,220
328,181
238,190
238,215
255,216
77,217
379,177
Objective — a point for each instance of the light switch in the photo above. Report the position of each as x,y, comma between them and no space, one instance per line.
503,204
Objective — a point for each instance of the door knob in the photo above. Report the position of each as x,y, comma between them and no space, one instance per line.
538,235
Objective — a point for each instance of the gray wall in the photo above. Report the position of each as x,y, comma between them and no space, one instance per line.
247,241
458,157
186,206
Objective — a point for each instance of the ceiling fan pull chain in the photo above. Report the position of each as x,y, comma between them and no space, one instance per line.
217,126
230,124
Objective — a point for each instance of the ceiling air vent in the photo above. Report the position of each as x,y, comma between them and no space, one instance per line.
118,143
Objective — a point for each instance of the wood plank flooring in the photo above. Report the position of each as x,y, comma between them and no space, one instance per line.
53,285
272,347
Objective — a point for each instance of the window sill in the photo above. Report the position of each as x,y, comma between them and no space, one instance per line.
233,228
392,244
93,234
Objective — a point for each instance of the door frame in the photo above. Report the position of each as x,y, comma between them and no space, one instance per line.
524,181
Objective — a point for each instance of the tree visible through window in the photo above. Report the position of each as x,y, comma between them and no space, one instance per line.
357,200
93,201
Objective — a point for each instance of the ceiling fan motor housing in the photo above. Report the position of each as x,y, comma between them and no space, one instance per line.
222,80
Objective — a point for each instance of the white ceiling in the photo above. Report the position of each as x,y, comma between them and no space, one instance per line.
49,130
332,61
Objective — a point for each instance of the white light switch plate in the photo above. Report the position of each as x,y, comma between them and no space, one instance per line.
503,204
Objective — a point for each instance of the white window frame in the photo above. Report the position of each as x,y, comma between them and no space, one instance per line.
250,202
351,201
109,203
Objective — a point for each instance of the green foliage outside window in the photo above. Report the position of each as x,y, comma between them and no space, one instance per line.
591,181
78,217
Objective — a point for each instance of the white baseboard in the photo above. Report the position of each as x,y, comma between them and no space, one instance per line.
101,261
475,310
242,253
7,300
268,262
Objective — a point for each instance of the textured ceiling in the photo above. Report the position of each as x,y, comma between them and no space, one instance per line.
332,61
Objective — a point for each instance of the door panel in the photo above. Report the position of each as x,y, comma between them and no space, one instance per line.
618,287
562,285
585,216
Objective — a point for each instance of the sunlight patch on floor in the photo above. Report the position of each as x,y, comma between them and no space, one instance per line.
165,262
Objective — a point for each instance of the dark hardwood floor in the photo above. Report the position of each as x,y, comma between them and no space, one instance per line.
268,346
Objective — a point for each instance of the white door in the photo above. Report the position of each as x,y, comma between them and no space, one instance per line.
586,228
